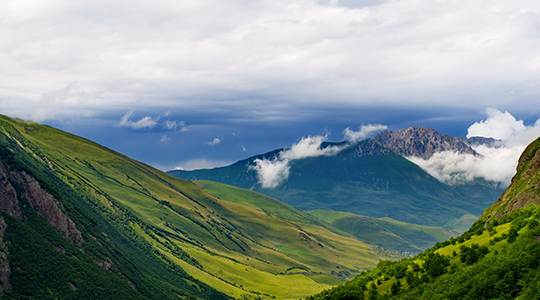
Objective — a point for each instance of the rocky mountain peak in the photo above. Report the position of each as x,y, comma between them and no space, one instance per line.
422,142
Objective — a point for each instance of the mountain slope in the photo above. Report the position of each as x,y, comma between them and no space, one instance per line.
176,238
364,178
525,186
385,232
497,258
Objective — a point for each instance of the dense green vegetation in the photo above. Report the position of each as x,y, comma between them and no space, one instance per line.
497,261
385,232
365,179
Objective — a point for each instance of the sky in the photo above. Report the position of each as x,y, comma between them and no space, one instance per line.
197,84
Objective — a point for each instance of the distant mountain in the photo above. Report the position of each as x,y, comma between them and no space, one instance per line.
80,221
365,178
422,142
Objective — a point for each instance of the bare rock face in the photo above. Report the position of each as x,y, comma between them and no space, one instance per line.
422,142
5,270
46,206
9,203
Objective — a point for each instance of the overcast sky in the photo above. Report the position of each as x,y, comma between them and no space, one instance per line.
203,83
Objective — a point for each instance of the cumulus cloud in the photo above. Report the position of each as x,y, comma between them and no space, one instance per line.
364,132
146,122
272,172
496,164
213,142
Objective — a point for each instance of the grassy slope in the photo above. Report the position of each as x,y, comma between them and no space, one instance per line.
480,264
229,246
385,232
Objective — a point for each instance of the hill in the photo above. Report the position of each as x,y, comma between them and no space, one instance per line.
385,232
497,258
81,221
364,178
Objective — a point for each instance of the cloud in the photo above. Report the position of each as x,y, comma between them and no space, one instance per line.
496,164
173,125
146,122
272,172
196,164
365,52
214,142
364,132
165,139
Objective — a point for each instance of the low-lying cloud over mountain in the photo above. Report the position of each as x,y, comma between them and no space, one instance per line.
496,162
272,172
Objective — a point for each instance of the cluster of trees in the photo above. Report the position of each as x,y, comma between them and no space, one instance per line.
497,261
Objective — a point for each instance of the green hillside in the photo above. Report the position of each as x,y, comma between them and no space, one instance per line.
385,232
497,258
156,236
365,179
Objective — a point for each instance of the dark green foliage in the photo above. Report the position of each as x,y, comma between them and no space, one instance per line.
511,271
435,264
471,255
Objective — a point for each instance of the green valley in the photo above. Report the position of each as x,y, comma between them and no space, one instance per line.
151,235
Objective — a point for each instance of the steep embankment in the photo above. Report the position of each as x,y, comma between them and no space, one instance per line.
166,236
525,186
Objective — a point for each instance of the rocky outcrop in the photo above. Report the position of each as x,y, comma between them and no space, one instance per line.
5,270
9,203
422,142
46,206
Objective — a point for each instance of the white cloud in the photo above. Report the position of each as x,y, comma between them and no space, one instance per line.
214,142
495,163
272,172
165,139
196,164
365,132
173,125
199,53
146,122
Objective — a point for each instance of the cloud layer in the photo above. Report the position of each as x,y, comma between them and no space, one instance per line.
251,55
496,164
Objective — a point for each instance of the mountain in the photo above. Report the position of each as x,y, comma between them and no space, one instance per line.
80,221
525,187
422,142
497,258
364,178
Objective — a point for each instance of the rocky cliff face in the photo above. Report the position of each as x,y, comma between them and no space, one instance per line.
43,203
422,142
46,206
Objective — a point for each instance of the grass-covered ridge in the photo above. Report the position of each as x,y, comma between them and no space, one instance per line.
179,228
499,261
385,232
